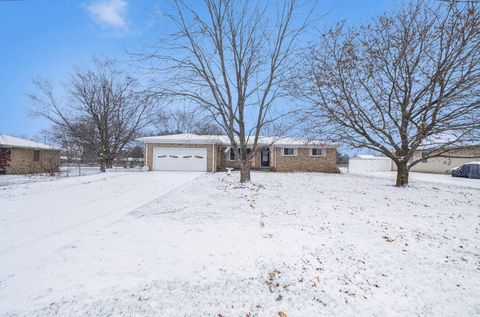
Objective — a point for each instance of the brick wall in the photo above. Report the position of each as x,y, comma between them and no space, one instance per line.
22,161
209,148
223,159
304,162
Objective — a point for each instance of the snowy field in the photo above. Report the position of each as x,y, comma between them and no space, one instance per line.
193,244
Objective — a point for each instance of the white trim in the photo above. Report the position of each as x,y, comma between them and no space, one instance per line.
295,151
324,151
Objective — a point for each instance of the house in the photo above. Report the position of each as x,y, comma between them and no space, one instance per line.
442,164
190,152
28,156
369,163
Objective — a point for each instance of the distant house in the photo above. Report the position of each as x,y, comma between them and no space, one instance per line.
455,156
369,163
28,156
190,152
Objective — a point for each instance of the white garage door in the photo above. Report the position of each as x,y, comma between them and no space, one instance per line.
179,159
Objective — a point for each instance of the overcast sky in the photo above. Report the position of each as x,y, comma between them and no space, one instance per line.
45,38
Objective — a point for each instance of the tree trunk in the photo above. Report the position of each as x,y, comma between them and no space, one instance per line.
102,166
244,171
109,163
402,174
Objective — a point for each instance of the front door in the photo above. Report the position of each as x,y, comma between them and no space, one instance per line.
265,157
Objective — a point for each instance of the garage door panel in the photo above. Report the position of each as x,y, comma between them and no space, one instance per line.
179,159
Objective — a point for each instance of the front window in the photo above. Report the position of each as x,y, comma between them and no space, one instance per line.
36,155
317,152
288,151
231,153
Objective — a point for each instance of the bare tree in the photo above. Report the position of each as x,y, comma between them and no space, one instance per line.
71,148
231,58
103,110
408,80
185,120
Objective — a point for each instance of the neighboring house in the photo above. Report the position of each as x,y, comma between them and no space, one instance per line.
454,157
28,156
369,163
190,152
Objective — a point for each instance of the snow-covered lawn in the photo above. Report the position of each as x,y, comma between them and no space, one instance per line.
304,244
65,171
426,177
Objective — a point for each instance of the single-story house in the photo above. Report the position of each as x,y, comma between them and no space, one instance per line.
455,156
190,152
28,156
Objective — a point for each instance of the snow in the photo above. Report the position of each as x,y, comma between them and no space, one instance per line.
186,244
423,178
12,141
188,138
65,171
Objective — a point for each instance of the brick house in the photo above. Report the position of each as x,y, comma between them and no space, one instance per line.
212,153
28,156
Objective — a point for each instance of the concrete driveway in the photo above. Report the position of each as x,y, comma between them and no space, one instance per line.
37,218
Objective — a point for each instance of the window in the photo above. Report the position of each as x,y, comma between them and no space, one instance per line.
289,151
424,157
36,155
317,152
231,154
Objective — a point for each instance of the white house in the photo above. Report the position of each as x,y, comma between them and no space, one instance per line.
369,163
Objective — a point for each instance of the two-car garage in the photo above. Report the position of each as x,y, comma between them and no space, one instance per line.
179,159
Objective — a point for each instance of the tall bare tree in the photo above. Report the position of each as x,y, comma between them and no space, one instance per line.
103,110
231,58
408,80
184,120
